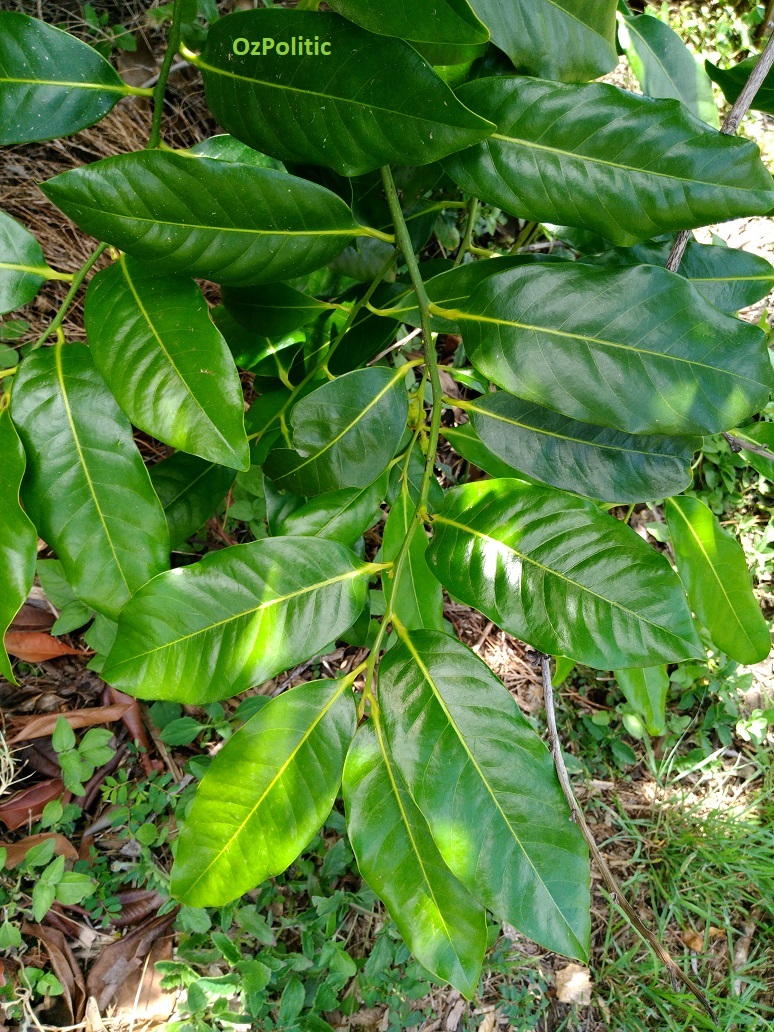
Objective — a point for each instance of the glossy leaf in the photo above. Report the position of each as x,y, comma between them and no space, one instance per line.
190,490
665,67
444,927
18,539
224,221
86,487
340,516
594,156
271,311
51,84
469,445
344,433
417,600
236,618
569,40
761,434
487,787
23,268
590,460
420,21
713,569
667,362
337,108
226,148
166,364
265,794
556,572
732,80
646,691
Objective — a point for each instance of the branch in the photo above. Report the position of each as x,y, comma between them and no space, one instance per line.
736,444
78,278
729,127
607,875
161,85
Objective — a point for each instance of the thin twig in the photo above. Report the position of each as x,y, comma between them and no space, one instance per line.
607,875
736,444
729,127
173,42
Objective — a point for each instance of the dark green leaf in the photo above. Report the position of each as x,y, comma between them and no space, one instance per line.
265,795
573,456
713,569
646,690
251,611
231,223
190,491
469,445
23,268
423,21
340,516
51,84
418,600
732,80
667,362
411,476
665,67
344,433
442,924
339,107
487,787
226,148
560,151
570,40
554,571
86,487
166,364
18,539
272,311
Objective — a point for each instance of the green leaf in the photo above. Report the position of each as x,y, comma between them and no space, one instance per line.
63,736
182,731
665,67
74,887
43,895
487,787
51,84
265,794
18,538
271,311
23,267
231,223
252,610
573,456
166,364
226,148
423,21
190,490
54,583
667,362
469,445
732,80
713,569
570,40
340,516
559,149
442,924
554,571
340,107
763,435
646,690
74,615
344,433
418,599
86,487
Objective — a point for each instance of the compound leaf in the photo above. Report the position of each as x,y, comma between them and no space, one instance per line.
190,491
556,572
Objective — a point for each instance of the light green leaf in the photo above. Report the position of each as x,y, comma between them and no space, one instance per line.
646,690
344,433
23,267
732,81
190,491
560,150
166,364
226,148
18,538
442,924
418,599
265,794
420,21
86,487
713,569
231,223
340,516
251,611
556,572
487,787
569,40
761,434
667,362
573,456
271,311
51,84
665,67
338,107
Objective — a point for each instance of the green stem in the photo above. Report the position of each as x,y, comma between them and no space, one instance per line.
467,240
78,279
161,86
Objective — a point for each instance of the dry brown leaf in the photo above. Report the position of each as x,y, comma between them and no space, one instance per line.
133,723
125,971
29,803
16,851
37,646
64,966
489,1022
32,618
693,940
92,1018
454,1017
573,985
136,905
43,725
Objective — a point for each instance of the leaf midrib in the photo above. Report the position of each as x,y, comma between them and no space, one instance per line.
70,85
